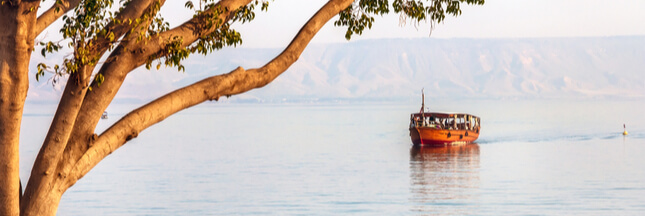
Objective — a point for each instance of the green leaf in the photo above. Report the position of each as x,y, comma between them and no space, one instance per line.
99,78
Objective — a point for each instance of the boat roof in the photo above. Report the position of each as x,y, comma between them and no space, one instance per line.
443,114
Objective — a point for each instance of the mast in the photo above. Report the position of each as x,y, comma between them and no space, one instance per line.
423,100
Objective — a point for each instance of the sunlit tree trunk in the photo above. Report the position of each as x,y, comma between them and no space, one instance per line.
16,45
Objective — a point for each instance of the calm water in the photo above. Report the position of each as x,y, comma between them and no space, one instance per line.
533,158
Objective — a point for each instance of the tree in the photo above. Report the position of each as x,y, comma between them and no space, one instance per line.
126,38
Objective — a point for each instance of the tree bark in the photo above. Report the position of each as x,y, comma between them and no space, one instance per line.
42,183
16,45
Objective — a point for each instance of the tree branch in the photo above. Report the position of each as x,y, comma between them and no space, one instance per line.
235,82
125,58
132,54
42,179
75,90
53,13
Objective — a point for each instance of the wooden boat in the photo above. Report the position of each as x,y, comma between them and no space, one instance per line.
436,129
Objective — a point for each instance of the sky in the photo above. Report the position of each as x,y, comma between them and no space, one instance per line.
494,19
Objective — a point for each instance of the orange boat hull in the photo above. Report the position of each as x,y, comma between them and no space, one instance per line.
425,136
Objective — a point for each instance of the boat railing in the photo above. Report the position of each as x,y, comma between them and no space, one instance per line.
459,126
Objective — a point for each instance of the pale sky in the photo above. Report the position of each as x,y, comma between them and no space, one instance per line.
495,19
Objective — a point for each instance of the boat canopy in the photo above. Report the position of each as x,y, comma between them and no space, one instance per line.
441,115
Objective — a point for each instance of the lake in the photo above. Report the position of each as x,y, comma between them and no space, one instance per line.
534,157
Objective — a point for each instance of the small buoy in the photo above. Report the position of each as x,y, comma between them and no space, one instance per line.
624,130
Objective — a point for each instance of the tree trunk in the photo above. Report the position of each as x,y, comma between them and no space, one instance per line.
42,192
45,205
16,44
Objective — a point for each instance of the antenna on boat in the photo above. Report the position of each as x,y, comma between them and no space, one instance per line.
624,130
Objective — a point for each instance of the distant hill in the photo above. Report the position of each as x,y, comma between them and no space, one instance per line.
599,67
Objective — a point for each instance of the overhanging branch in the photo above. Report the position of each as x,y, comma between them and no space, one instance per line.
235,82
128,55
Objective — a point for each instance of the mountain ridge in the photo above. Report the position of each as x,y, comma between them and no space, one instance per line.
590,67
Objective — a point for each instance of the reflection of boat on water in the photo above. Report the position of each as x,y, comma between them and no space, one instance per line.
442,129
105,115
441,178
449,152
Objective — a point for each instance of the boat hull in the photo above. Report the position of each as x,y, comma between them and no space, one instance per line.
433,137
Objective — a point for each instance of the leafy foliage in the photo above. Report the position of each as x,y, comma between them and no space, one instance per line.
360,15
207,20
81,30
90,27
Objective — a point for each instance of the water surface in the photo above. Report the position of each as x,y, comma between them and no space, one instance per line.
533,158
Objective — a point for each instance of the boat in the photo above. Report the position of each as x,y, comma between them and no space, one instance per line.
105,115
438,129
